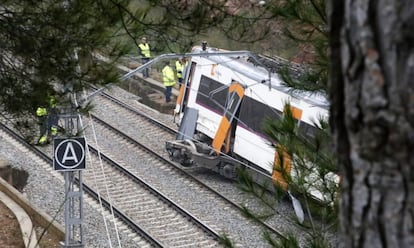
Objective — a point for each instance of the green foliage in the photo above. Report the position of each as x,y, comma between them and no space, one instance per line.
172,25
247,185
226,241
176,26
312,161
40,39
311,156
48,49
49,46
289,242
307,25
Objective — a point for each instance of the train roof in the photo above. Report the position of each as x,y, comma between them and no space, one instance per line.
262,70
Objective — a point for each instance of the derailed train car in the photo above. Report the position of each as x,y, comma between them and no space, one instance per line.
222,105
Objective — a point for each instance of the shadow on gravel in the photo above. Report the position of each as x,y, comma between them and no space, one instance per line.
15,177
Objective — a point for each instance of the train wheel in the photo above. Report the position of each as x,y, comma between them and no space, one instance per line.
186,162
229,171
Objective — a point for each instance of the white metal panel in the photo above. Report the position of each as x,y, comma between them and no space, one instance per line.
208,121
254,148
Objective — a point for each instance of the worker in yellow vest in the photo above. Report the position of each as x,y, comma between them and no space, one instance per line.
144,50
48,118
41,113
168,79
179,68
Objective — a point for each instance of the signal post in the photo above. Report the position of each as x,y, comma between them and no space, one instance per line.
69,158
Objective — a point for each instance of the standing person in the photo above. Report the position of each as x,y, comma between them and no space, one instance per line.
144,51
168,79
179,68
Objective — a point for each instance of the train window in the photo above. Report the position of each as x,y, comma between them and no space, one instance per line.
253,114
308,130
212,94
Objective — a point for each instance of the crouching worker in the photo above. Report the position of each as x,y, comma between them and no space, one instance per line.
48,121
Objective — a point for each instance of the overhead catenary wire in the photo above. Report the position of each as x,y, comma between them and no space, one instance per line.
95,178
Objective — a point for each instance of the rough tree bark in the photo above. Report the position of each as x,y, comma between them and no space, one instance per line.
372,117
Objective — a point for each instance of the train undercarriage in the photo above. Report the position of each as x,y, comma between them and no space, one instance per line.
189,153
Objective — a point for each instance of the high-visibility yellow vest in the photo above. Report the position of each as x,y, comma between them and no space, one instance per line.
40,111
145,49
52,102
54,130
179,68
43,139
168,76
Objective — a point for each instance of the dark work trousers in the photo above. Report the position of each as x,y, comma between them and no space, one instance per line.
43,125
52,118
145,72
168,90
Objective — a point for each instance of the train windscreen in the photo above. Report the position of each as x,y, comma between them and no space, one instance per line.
212,94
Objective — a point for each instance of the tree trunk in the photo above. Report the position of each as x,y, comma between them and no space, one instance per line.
372,117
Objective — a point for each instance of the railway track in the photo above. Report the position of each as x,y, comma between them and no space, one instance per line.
149,160
160,172
44,162
160,217
155,217
151,139
150,129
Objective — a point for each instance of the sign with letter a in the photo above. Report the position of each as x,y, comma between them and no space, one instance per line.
69,154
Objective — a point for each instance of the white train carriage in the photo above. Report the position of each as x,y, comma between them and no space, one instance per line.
222,106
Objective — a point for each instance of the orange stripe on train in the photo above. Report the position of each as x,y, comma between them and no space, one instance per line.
180,94
296,112
221,134
281,170
223,129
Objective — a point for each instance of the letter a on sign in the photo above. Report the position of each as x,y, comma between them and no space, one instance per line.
69,154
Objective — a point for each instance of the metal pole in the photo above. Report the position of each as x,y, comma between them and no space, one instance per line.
73,194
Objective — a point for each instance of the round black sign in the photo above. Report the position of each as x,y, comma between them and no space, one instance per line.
69,154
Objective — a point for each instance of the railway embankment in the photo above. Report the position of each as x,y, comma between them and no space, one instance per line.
150,90
28,215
